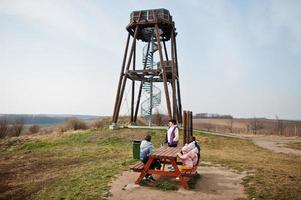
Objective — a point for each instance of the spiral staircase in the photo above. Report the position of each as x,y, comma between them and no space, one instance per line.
152,92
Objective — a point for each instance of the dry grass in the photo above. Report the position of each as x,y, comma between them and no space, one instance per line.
271,175
295,145
264,126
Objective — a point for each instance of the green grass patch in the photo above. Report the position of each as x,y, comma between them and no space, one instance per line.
35,145
164,185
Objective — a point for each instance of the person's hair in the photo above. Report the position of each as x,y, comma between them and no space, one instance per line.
148,138
192,138
174,122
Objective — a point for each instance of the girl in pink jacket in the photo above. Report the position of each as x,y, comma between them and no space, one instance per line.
189,158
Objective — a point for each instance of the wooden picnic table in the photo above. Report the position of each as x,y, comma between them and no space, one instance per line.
166,155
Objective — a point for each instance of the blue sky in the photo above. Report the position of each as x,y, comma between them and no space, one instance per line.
235,57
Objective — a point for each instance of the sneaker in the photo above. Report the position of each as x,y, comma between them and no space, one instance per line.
170,168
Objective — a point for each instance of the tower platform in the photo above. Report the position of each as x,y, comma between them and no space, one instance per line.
148,18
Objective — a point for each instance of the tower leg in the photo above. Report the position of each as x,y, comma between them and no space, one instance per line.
173,84
163,72
133,88
125,76
138,102
178,82
114,120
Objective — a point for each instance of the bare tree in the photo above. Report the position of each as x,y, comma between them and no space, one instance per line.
17,127
279,125
231,125
208,126
34,129
157,118
3,128
256,125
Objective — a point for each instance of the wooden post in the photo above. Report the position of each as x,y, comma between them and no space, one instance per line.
191,124
187,126
184,127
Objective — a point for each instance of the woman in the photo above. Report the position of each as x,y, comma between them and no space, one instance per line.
172,134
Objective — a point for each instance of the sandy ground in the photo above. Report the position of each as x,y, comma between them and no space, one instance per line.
277,144
215,183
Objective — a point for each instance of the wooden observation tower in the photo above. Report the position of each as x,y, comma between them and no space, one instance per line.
157,30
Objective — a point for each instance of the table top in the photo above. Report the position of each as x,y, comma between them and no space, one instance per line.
165,152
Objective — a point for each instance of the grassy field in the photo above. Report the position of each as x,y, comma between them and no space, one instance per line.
80,165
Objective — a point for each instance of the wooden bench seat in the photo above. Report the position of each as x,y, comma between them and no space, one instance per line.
138,167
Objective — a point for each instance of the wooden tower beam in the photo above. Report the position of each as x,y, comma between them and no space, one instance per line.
163,69
121,78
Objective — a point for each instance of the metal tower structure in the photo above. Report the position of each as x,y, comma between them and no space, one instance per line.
157,29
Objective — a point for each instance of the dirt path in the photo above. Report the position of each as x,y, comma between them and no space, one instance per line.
274,143
215,183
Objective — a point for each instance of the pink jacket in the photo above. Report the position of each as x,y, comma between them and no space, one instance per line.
189,159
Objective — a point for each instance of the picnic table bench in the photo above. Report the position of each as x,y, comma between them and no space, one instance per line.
166,155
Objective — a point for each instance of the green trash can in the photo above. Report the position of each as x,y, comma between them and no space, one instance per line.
136,149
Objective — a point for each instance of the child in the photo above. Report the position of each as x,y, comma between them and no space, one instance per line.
188,156
146,147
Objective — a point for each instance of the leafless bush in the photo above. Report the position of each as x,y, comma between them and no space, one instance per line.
208,126
3,128
230,125
256,125
99,123
160,119
75,124
17,127
34,129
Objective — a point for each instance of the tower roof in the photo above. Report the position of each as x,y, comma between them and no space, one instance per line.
148,19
